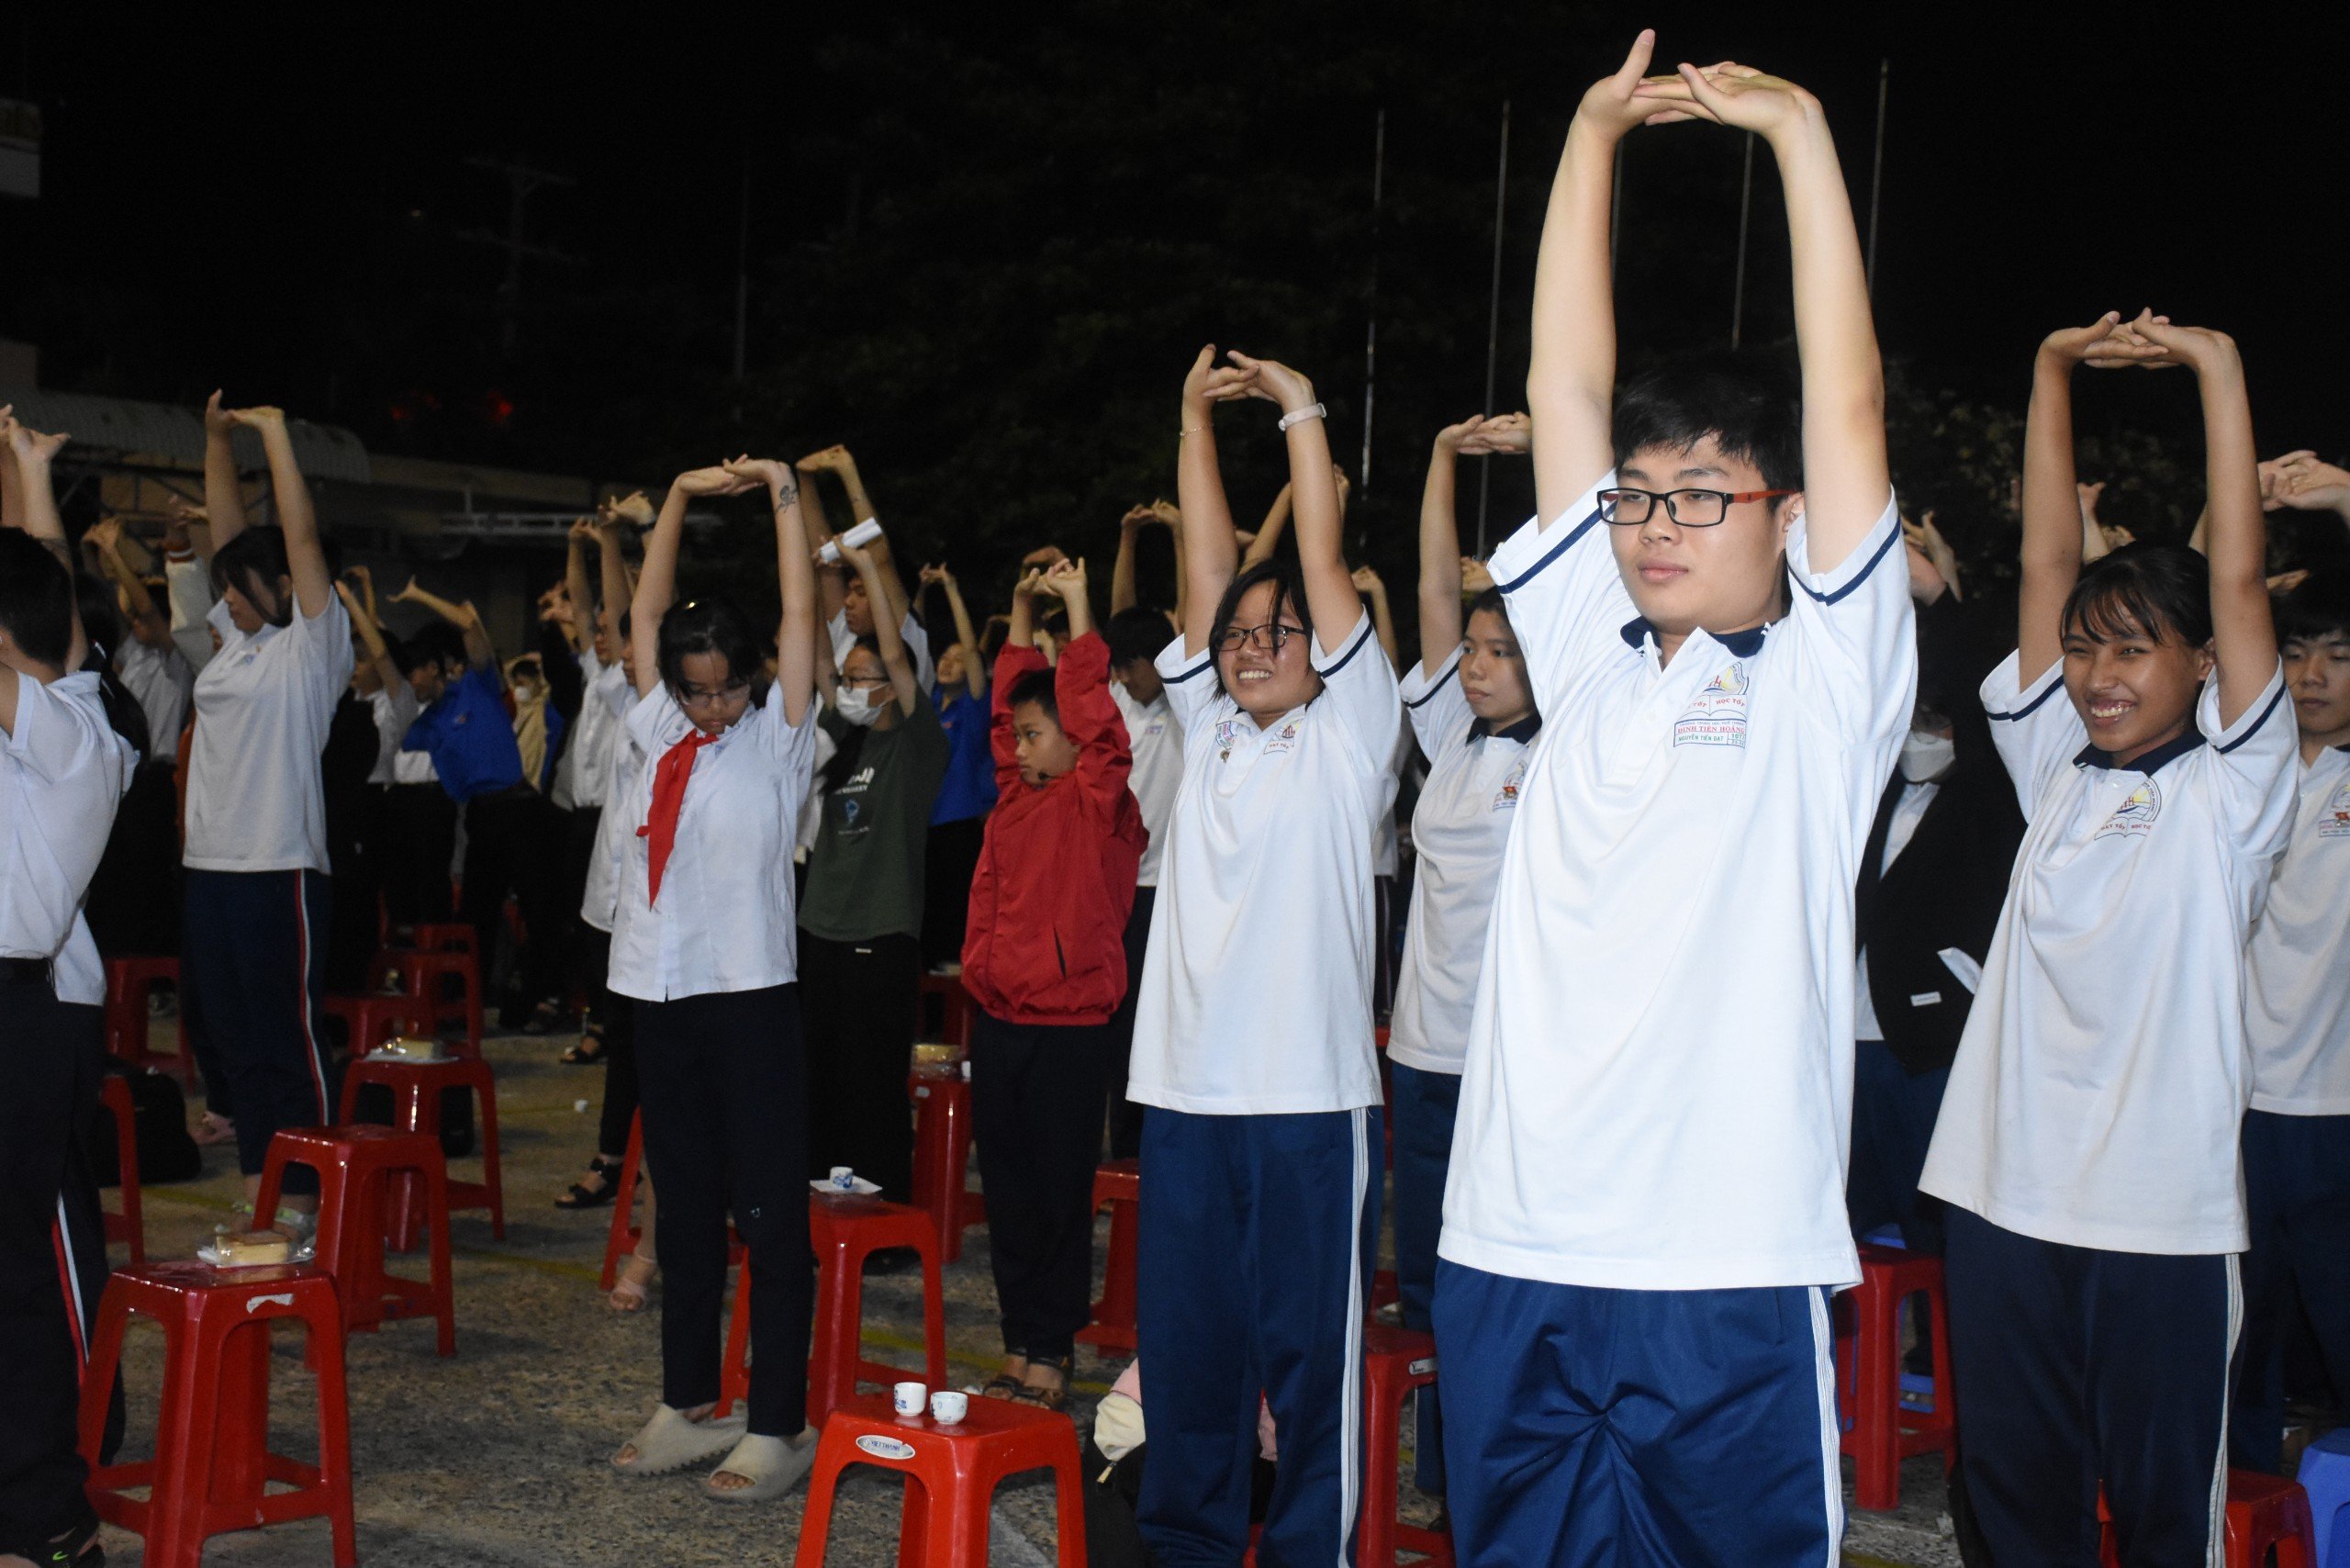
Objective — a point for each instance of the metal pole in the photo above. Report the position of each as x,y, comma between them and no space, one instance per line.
1494,320
1371,329
1745,205
1876,167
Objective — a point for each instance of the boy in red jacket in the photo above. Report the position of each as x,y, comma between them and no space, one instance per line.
1044,957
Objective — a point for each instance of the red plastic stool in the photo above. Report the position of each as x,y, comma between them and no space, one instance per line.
374,1018
1395,1361
1880,1431
421,974
355,1167
416,1089
943,1154
130,1224
2265,1512
955,1009
129,982
845,1228
951,1474
447,936
212,1466
1118,1185
625,1232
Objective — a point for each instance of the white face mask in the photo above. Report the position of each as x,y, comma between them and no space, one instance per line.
1926,757
855,704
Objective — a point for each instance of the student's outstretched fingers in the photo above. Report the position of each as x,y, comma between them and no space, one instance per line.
1613,104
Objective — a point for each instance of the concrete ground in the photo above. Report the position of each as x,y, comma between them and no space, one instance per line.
497,1457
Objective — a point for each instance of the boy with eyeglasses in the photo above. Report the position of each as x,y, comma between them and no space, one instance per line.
1645,1211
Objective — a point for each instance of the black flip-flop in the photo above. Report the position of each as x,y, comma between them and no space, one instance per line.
582,1196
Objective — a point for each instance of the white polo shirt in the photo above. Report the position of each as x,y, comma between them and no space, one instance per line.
1386,846
615,829
1255,997
2098,1088
909,631
1659,1082
726,920
1156,739
394,709
263,709
1458,830
162,681
2297,1010
586,765
62,772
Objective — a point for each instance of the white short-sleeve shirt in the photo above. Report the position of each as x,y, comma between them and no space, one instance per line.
160,679
2099,1084
615,830
2297,1009
1659,1083
910,632
62,772
726,920
595,739
255,801
1458,830
1255,997
1155,738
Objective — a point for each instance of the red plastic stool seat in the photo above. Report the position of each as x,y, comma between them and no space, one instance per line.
446,936
2265,1513
955,1009
1880,1431
943,1154
843,1229
1395,1361
416,1089
212,1466
357,1166
421,974
1117,1185
951,1474
129,982
374,1018
130,1224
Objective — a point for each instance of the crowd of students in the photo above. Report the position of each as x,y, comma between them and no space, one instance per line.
1755,905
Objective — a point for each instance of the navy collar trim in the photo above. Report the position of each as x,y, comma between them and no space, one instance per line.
1522,732
2150,763
1742,644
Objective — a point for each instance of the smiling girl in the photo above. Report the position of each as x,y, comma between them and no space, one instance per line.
1253,1037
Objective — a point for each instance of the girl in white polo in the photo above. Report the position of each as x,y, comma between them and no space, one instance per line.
2087,1143
1252,1041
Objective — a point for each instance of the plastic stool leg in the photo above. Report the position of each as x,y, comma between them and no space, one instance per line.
334,1442
487,1095
1068,1513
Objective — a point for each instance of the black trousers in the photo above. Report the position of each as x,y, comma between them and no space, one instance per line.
586,951
420,835
725,1124
950,856
253,987
1035,1103
512,846
859,999
2081,1367
619,1015
52,1249
1125,1116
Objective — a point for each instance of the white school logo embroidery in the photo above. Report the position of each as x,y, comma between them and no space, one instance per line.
2136,815
1226,732
2335,820
1717,715
1507,796
1284,739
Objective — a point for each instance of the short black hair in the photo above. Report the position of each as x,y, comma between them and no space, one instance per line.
1490,602
713,625
435,645
1288,593
255,559
2316,608
101,620
1037,687
35,597
2159,591
1137,634
1750,404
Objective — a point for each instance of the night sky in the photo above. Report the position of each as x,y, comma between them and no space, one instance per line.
279,206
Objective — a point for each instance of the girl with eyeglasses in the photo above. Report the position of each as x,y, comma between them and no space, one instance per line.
703,947
1252,1043
860,925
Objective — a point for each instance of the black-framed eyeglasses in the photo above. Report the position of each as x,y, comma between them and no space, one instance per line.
694,697
1687,509
1270,637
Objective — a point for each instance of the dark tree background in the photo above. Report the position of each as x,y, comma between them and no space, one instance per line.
982,249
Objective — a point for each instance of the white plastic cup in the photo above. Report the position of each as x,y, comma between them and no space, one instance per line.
842,1179
949,1405
909,1397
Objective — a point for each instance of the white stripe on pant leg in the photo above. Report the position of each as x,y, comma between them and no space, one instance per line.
1823,1341
2215,1533
73,1283
1350,1457
302,996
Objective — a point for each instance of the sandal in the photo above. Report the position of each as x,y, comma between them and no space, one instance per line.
211,1129
1049,1398
588,1052
1005,1385
547,1018
773,1466
606,1173
633,1290
672,1440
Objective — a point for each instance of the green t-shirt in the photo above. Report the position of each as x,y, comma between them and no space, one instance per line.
865,875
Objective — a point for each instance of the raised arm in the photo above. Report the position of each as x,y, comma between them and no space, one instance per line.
33,452
1440,557
831,582
894,657
305,559
189,586
1314,489
371,637
1089,714
839,460
975,672
613,573
12,483
657,585
463,617
2243,635
106,537
1370,583
1268,533
795,637
2300,481
1209,554
224,495
1122,570
575,582
1571,372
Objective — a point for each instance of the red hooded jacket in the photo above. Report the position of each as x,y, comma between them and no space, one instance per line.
1056,878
